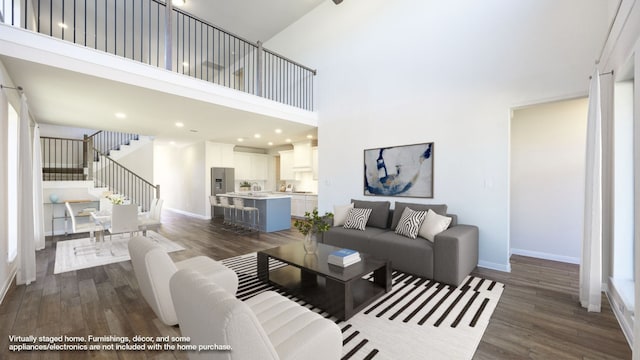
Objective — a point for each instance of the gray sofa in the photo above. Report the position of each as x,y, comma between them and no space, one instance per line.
449,259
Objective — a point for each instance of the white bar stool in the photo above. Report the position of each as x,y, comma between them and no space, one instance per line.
228,210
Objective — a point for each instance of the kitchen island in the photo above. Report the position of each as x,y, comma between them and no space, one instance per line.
274,210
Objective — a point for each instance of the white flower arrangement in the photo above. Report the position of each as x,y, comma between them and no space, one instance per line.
116,199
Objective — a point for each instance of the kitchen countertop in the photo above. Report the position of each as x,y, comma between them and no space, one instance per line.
297,193
261,196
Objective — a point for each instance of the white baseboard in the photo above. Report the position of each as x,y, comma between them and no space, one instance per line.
546,256
7,284
203,217
494,266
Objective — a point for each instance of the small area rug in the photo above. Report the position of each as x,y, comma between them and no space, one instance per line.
87,257
417,319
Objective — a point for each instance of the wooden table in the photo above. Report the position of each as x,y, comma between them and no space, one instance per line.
340,291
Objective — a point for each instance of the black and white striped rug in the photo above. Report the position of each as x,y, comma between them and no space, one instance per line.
417,319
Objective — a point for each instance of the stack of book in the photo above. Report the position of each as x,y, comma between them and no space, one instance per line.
344,257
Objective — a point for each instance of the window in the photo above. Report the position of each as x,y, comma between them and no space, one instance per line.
623,239
12,152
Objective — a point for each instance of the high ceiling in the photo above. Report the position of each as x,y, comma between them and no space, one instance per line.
65,97
254,20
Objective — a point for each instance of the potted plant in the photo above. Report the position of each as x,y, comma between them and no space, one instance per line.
245,186
311,226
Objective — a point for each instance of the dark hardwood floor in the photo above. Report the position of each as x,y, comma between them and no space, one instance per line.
538,316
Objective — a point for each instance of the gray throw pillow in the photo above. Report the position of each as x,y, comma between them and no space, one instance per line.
379,212
440,209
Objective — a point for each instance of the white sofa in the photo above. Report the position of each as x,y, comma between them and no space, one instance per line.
267,326
153,268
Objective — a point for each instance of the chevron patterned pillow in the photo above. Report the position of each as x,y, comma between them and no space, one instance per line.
410,223
357,219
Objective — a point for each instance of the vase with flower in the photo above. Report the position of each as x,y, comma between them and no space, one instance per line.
312,225
116,199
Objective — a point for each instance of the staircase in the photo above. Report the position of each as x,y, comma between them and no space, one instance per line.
95,159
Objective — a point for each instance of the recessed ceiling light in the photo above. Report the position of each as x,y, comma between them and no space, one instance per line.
172,142
278,131
120,115
240,139
178,2
270,143
257,136
309,136
288,140
62,25
179,124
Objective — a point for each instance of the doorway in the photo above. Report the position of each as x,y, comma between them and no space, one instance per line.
547,179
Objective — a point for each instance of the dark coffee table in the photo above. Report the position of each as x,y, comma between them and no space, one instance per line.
340,291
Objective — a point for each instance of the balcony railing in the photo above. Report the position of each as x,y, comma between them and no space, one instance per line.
157,34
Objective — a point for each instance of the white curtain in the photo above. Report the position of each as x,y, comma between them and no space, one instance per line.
26,248
591,264
38,220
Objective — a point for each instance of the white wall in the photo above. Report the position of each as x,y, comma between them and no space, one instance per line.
184,175
411,71
140,161
181,175
547,180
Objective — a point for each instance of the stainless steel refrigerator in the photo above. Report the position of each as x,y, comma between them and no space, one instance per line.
222,181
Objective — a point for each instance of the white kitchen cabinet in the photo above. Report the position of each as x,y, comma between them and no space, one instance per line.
298,206
251,166
286,165
242,164
259,167
301,203
310,202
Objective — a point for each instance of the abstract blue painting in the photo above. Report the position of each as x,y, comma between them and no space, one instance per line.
399,171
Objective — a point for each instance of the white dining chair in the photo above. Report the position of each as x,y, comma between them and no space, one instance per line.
124,219
76,227
151,221
105,204
147,214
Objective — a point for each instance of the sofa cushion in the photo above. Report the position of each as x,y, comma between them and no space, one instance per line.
410,223
414,256
379,211
340,213
433,224
397,213
357,219
350,239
